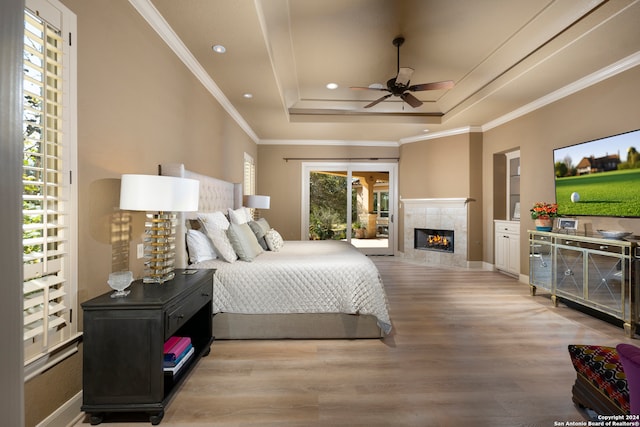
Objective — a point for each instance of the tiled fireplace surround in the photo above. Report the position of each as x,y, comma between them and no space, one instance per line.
444,214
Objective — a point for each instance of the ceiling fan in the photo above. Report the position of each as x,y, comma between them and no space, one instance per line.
399,85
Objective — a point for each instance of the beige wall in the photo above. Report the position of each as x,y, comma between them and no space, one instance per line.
138,106
604,109
281,179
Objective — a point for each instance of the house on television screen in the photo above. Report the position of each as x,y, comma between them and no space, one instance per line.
600,164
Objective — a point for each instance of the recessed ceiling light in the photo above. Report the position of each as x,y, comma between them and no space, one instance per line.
425,130
332,86
218,48
247,95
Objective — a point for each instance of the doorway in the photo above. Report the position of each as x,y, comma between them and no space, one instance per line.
354,202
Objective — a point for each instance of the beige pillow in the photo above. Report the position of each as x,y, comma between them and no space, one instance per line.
243,241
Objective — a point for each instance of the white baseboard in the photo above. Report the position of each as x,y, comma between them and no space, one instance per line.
66,415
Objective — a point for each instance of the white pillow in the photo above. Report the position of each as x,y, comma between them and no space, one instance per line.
274,240
244,242
199,247
222,244
213,220
240,216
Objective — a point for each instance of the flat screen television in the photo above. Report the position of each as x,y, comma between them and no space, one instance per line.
599,177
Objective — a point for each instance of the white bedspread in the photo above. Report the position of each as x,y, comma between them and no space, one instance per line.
303,277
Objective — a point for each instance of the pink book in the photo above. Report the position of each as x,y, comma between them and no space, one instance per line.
170,343
178,349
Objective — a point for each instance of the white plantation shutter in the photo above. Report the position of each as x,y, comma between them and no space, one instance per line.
48,196
249,184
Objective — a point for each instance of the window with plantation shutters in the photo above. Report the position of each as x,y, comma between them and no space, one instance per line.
249,184
48,202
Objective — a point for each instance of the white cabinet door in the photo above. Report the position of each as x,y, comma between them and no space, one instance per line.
513,265
507,246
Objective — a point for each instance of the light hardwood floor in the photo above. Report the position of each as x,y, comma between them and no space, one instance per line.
469,348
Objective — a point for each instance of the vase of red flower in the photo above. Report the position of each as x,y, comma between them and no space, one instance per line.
543,213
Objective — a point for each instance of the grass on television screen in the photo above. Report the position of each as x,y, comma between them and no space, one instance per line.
615,193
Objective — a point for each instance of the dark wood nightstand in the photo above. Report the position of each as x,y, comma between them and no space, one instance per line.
123,343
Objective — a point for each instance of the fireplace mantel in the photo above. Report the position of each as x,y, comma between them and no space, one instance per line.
447,202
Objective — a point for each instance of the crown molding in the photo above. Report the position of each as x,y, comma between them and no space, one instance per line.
157,22
153,17
618,67
441,134
333,142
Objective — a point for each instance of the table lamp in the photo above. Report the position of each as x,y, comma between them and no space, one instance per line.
256,202
161,197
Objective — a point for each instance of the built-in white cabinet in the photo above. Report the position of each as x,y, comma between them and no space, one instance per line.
507,247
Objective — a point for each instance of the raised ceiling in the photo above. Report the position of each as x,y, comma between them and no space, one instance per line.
505,57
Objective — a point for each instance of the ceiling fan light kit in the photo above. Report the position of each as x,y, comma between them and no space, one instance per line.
399,85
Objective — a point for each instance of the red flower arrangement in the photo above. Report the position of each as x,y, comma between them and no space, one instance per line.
543,210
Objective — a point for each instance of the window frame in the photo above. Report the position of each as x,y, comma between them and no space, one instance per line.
59,16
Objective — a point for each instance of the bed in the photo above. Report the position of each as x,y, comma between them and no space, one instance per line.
304,290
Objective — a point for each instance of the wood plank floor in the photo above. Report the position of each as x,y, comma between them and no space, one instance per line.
469,348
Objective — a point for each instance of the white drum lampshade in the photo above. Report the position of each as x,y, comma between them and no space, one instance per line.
256,202
159,196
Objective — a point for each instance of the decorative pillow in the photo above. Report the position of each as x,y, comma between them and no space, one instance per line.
199,247
259,232
630,358
223,246
244,242
601,366
274,240
213,220
240,215
194,224
264,224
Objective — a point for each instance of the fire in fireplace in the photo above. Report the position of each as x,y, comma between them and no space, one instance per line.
433,240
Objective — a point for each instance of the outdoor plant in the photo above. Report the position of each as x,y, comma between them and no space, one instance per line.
543,210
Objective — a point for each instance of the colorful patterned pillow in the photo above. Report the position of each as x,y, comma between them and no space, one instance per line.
601,366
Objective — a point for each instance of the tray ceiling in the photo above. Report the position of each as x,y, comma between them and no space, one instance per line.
504,56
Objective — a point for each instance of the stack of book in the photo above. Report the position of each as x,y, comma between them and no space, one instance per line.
177,351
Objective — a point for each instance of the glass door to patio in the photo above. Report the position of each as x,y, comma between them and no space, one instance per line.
351,202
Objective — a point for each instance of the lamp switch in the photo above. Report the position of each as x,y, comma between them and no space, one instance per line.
140,249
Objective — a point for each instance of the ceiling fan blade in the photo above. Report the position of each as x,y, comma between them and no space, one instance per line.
368,88
404,75
377,101
411,100
447,84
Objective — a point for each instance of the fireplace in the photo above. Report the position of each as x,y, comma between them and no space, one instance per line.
429,239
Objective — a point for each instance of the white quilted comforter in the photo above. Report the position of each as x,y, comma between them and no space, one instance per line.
303,277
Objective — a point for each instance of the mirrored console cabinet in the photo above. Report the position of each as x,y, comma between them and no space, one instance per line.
594,272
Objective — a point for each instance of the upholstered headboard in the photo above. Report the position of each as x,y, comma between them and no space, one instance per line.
215,195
